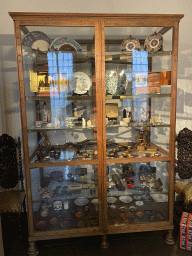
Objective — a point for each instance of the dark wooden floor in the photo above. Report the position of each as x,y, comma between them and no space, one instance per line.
145,243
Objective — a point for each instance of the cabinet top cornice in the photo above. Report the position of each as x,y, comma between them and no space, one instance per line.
34,15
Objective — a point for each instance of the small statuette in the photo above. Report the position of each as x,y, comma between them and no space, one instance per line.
57,122
89,123
45,114
152,119
66,205
159,120
83,123
38,124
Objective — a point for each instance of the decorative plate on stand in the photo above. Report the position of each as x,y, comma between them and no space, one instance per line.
153,43
37,40
65,44
130,44
80,83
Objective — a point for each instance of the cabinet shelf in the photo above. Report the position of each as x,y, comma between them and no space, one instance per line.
150,95
80,129
60,97
135,125
116,56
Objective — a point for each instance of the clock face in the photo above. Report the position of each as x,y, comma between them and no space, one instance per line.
80,83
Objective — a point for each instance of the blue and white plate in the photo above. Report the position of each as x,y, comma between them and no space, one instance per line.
37,40
59,43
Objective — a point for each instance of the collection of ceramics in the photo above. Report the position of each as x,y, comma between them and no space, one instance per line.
39,40
80,83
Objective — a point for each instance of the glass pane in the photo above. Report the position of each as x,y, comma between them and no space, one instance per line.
137,192
137,83
59,79
65,197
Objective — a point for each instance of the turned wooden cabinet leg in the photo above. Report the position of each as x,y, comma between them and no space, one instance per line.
104,243
32,250
169,237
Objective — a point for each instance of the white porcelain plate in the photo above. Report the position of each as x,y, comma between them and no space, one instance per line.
80,82
126,199
81,201
111,200
95,201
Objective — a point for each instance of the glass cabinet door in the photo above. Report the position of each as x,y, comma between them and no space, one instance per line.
59,77
137,109
61,123
65,198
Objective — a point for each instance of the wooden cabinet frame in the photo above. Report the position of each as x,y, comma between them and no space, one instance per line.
99,21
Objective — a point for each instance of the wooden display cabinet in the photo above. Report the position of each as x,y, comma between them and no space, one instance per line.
98,111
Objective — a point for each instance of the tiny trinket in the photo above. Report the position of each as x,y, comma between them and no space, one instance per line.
38,124
47,158
57,205
79,215
157,154
159,120
112,206
137,197
45,114
122,215
139,203
148,212
63,224
160,216
67,217
80,224
66,205
44,212
123,209
52,153
49,125
53,221
132,208
152,218
94,222
83,123
38,157
41,225
152,119
131,215
139,214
